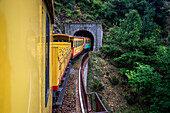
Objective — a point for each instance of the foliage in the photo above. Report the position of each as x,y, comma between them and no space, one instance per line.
97,86
168,41
160,12
143,77
162,60
135,45
132,36
161,97
143,80
113,80
129,59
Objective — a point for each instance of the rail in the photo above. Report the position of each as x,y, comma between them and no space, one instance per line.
90,102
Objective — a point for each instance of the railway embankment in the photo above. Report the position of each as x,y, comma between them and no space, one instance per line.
71,98
76,98
105,79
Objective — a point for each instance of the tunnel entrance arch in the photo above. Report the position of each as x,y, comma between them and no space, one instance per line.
84,33
91,30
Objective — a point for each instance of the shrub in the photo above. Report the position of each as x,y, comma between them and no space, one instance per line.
97,85
129,59
162,59
161,98
113,80
107,73
131,97
70,6
143,77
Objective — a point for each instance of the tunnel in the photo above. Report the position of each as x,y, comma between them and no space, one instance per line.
84,33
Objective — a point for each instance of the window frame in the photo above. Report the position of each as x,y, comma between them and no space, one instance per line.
47,66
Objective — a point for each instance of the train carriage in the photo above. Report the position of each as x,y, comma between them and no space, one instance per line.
78,45
87,44
25,56
61,58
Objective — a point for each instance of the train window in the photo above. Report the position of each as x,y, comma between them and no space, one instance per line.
74,44
80,43
47,59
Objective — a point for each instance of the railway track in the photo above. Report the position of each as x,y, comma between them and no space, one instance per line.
76,98
89,102
70,102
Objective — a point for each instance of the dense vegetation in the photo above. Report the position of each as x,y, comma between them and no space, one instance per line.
133,38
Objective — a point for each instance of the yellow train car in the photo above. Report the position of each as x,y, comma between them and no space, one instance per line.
62,38
25,56
78,45
61,58
87,44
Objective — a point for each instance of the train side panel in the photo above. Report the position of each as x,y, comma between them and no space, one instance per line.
45,69
61,57
22,57
87,43
78,45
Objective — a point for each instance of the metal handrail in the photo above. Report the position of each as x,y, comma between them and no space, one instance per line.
88,103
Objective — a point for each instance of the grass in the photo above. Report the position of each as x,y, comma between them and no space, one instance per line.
104,78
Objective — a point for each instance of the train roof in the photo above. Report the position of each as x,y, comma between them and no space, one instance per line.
65,35
78,37
81,37
86,38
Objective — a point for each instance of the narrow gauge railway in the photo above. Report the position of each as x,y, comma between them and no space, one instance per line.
89,102
34,64
64,47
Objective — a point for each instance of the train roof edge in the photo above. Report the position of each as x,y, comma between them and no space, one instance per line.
62,35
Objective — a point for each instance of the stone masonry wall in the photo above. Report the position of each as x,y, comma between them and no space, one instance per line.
94,28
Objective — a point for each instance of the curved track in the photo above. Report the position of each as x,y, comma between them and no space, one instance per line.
89,102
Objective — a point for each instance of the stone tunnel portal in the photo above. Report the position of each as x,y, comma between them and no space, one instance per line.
91,30
84,33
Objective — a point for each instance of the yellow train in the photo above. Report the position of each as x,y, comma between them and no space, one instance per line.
34,63
77,43
25,56
65,47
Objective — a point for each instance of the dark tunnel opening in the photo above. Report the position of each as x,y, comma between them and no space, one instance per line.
84,33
